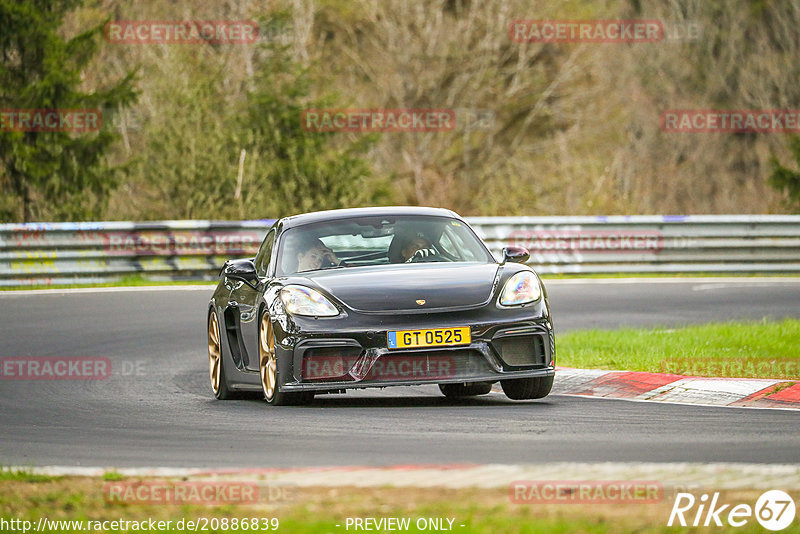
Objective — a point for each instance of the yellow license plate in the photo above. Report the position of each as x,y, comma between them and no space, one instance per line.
437,337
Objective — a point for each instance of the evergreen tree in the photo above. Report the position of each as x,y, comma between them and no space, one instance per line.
187,164
785,179
297,170
55,175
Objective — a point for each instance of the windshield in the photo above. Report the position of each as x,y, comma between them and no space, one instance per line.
378,240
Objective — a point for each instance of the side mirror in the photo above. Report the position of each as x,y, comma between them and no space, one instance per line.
244,270
515,254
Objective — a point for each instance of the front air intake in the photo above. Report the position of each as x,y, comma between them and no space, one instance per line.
522,351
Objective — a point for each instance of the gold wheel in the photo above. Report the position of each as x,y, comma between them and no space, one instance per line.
269,363
214,352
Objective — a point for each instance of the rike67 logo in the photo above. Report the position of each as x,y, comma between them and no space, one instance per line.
774,510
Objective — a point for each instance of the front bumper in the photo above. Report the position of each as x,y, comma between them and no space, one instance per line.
359,357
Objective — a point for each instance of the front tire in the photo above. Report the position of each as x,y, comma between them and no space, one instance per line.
271,372
527,388
455,391
216,368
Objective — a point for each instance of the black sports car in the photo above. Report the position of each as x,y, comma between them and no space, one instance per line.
376,297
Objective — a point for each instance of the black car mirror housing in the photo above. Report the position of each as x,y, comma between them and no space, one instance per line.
516,254
244,270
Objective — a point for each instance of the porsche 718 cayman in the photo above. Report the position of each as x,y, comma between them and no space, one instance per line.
376,297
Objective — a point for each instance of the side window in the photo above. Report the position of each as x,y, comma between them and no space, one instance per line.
446,243
453,243
264,254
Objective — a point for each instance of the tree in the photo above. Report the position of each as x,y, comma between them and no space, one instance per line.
785,179
55,175
290,169
208,103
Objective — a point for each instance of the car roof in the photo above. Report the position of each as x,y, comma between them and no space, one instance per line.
330,215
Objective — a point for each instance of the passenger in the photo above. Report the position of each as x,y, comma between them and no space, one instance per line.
313,255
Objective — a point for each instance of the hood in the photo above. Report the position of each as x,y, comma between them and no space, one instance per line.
382,288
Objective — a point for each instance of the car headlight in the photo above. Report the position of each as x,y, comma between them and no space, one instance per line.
300,300
522,288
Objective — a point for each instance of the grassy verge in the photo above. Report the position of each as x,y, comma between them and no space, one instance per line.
325,510
24,475
735,349
126,281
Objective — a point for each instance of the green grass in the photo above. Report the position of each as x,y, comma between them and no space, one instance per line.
113,476
23,475
319,510
125,281
764,349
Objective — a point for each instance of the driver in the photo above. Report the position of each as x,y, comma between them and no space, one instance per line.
416,249
314,255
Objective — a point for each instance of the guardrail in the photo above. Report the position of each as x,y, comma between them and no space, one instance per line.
56,253
651,244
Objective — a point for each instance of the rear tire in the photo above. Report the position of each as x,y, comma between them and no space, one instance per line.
271,372
527,388
455,391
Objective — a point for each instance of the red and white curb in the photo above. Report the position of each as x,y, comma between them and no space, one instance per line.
740,392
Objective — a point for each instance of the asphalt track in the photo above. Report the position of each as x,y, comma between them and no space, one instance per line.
156,408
